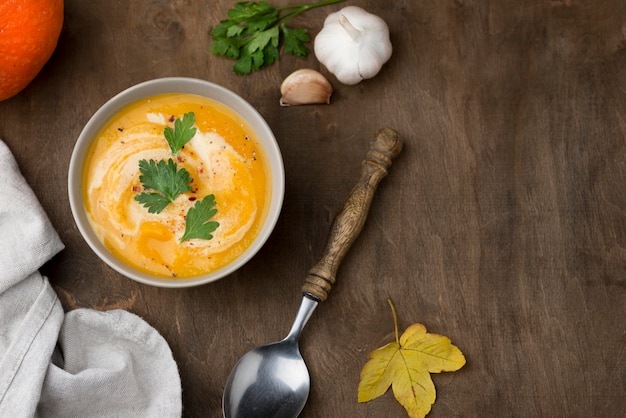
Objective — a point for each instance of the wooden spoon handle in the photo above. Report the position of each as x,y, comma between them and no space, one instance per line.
351,217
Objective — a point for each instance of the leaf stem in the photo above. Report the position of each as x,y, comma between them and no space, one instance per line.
300,8
395,319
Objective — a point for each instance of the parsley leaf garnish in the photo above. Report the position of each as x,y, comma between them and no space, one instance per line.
252,33
166,181
182,132
197,224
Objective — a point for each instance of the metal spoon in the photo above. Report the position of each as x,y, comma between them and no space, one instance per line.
272,381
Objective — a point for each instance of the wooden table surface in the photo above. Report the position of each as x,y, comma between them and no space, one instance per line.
502,225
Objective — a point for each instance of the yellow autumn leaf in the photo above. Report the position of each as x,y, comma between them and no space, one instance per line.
406,364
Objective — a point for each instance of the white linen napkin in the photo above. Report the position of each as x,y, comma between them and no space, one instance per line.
84,363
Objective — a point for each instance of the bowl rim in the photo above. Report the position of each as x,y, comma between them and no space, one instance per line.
184,85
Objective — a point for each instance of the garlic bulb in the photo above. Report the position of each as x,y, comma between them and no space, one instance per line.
353,44
305,86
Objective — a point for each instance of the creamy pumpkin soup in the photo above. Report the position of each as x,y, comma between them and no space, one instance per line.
220,180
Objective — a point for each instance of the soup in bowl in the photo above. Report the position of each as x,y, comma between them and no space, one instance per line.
176,182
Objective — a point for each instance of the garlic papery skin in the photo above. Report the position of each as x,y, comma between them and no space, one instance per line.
353,44
305,86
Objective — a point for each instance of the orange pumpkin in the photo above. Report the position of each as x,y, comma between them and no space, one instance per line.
29,32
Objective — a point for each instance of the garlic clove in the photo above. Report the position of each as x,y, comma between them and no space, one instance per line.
305,86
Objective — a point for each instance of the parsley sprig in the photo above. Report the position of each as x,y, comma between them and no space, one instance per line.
163,182
197,224
252,33
182,132
166,181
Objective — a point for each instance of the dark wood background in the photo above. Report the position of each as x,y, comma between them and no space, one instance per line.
502,225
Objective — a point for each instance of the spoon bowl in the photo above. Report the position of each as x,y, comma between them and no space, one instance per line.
272,381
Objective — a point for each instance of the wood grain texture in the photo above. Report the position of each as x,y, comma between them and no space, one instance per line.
502,225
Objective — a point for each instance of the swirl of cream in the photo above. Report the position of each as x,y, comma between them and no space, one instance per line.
215,167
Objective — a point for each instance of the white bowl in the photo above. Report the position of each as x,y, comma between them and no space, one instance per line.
186,86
